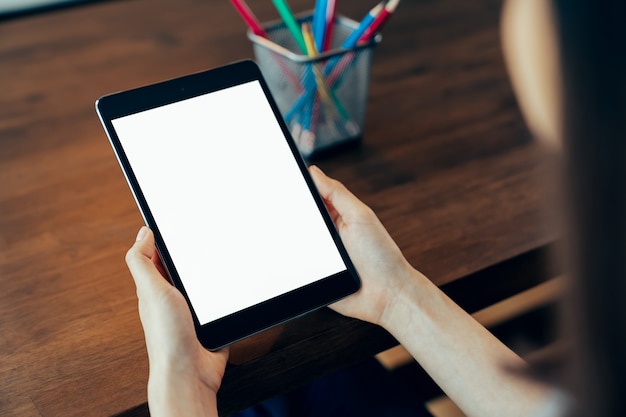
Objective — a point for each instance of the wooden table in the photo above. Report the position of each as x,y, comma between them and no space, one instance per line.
446,162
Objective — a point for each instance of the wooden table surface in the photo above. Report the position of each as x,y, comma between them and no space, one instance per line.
446,162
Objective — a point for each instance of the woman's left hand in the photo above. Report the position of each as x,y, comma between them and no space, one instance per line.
184,377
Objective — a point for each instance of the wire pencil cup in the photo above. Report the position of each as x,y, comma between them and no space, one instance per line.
322,98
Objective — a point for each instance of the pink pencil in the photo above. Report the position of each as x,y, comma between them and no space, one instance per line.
330,20
248,17
380,20
252,22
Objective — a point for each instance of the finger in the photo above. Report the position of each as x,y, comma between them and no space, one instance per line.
158,263
334,192
139,259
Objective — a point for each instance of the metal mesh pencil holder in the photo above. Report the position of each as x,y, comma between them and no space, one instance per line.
322,98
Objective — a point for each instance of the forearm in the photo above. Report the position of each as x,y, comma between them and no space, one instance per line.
174,396
471,366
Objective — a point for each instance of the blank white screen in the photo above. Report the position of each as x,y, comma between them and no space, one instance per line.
228,197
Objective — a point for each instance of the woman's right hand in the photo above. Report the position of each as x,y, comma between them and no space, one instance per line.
467,362
383,269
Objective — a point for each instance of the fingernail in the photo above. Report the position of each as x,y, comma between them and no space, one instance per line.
318,169
142,233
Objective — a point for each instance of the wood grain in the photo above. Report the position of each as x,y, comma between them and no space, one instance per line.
446,163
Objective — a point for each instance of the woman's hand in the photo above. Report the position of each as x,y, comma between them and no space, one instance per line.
184,377
383,269
468,362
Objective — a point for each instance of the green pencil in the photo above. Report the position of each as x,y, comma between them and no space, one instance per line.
290,21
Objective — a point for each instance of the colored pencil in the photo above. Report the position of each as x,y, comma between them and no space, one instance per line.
380,20
290,22
337,67
252,22
354,37
249,17
367,36
330,21
350,42
372,30
319,23
319,78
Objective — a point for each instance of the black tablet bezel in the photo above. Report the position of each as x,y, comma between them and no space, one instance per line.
224,331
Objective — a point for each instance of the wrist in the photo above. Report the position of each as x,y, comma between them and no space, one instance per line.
404,301
176,394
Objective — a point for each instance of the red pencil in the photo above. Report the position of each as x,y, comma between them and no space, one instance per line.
330,20
380,20
248,17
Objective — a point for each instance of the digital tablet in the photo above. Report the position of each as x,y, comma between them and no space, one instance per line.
238,222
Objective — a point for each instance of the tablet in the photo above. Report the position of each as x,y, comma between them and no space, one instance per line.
239,225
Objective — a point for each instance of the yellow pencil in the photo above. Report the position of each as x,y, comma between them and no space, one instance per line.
319,78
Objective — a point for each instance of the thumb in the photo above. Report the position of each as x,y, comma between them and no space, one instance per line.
335,193
140,261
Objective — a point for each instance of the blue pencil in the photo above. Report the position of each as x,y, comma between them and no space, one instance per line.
319,23
350,42
356,34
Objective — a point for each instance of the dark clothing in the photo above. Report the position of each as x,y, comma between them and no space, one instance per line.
364,390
